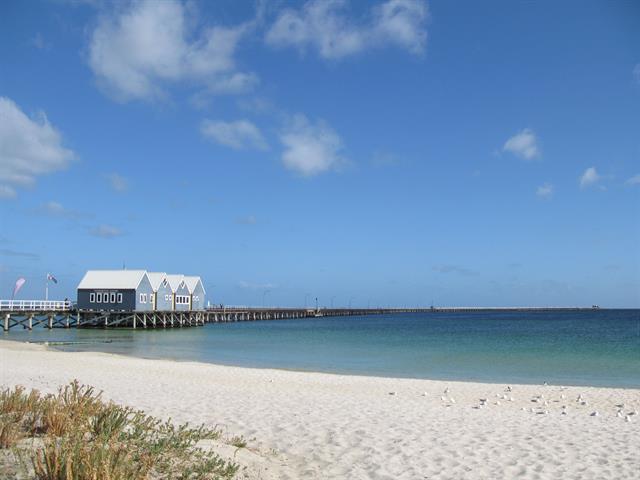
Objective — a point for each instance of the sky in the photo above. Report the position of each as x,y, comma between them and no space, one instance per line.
382,153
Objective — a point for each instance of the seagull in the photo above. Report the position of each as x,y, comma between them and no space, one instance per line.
392,393
511,399
619,414
509,388
497,402
563,396
627,418
595,414
446,390
443,398
452,400
424,394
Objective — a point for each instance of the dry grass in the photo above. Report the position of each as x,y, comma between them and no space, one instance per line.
83,437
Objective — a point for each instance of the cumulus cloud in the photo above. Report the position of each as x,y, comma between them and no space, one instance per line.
589,177
137,51
635,180
105,231
310,149
324,25
29,147
545,191
523,144
239,134
117,182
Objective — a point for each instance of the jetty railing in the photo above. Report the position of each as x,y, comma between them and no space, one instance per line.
35,305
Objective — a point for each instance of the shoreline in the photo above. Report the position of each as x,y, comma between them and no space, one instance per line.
52,347
325,425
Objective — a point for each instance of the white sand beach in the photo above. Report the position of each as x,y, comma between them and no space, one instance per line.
321,426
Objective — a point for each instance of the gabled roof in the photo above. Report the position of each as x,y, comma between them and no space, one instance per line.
116,279
192,283
175,281
156,279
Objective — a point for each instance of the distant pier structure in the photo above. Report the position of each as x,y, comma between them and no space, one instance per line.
141,299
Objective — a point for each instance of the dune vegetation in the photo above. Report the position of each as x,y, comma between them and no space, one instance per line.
76,435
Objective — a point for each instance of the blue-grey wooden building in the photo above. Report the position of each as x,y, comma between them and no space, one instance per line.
116,290
162,294
139,290
181,295
196,291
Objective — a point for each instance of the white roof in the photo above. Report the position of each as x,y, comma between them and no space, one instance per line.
192,282
116,279
175,281
156,279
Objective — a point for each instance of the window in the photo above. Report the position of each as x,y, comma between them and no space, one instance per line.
196,298
99,297
113,297
119,298
143,298
166,298
182,299
92,297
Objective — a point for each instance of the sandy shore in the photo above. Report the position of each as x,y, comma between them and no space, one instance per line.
313,425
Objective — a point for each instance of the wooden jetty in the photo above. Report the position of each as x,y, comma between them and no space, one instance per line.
61,314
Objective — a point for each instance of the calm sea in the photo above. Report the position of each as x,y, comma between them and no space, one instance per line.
597,348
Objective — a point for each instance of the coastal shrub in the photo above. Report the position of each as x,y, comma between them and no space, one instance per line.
82,437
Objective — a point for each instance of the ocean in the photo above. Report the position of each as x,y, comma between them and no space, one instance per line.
591,348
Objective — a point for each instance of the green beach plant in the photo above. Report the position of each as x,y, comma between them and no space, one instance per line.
82,437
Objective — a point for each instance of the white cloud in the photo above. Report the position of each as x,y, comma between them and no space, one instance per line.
117,182
589,177
139,50
635,180
545,191
523,144
105,231
248,220
238,135
323,25
7,192
29,147
636,72
56,209
310,149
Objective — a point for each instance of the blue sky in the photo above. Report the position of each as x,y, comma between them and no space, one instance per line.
395,152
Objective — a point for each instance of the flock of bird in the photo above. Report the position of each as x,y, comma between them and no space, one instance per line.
542,403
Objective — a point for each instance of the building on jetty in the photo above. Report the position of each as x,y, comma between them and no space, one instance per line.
139,291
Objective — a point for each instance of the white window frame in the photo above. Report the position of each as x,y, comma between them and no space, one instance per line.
119,298
142,298
166,298
92,297
112,297
99,297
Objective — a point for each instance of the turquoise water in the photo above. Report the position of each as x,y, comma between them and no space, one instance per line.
597,348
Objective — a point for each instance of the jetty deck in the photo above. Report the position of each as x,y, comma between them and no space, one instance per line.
29,314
